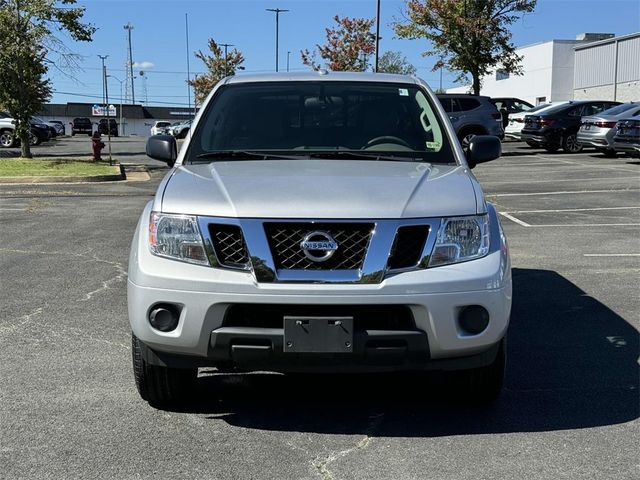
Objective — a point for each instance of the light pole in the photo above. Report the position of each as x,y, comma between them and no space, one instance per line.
106,95
288,55
377,36
104,78
226,45
277,11
121,83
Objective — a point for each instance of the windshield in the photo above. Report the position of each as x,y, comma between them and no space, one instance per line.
309,119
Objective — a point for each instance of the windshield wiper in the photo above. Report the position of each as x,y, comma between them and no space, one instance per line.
357,155
247,155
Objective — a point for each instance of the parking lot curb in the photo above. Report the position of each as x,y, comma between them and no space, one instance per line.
67,179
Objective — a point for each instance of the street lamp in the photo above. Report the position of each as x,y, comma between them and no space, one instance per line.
277,11
121,83
288,55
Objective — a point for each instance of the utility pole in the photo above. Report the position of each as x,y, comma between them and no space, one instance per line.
104,83
441,65
226,45
377,36
288,55
186,33
128,27
121,125
277,11
106,95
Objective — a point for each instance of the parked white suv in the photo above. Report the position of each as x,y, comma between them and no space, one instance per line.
160,128
319,222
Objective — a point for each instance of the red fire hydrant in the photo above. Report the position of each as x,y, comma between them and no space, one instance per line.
97,145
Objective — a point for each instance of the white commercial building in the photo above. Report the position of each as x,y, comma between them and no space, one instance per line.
608,70
569,69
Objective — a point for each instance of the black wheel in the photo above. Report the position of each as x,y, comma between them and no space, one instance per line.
7,139
161,386
570,144
531,144
483,385
34,139
465,137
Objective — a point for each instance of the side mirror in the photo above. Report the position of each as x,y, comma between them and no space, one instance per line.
483,148
163,148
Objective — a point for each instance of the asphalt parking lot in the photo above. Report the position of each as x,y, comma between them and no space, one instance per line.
69,409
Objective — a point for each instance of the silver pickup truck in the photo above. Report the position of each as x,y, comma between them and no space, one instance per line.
319,222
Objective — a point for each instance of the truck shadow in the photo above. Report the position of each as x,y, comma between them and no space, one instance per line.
572,364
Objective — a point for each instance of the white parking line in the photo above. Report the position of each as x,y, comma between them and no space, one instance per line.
514,219
583,225
583,180
564,192
573,210
611,254
605,167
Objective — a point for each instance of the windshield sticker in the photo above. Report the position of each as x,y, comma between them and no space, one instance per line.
403,92
434,145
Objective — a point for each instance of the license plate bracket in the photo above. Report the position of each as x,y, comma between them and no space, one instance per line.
318,334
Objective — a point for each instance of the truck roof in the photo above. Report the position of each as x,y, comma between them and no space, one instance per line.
321,75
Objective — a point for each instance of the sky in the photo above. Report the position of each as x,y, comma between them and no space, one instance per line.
160,51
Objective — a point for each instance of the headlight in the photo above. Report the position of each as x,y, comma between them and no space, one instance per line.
460,239
177,237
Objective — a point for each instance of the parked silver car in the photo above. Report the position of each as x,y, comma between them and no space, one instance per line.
598,130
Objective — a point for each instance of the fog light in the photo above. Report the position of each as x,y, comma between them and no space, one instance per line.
164,317
473,319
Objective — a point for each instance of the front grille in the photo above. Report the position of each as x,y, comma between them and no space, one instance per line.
365,317
285,238
407,247
229,245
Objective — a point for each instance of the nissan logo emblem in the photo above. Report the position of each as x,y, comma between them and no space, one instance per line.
318,246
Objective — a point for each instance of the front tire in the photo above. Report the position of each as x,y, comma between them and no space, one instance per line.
161,386
7,139
570,144
531,144
483,385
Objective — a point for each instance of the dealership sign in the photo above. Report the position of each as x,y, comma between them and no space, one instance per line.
101,111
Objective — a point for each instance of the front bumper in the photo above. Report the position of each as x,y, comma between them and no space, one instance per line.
434,297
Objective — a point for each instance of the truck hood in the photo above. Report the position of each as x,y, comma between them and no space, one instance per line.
319,189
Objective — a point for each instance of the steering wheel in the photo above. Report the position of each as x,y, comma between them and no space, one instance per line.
386,139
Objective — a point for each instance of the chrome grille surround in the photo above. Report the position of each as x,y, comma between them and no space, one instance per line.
371,270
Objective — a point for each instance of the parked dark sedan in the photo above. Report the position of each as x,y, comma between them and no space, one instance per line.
627,138
558,127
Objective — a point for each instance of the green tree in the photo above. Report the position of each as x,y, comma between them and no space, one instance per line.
348,46
26,43
395,62
468,36
218,66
